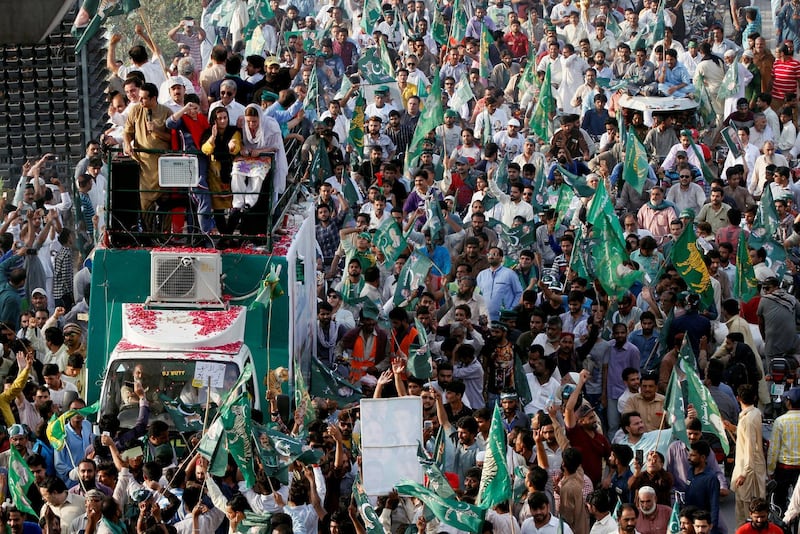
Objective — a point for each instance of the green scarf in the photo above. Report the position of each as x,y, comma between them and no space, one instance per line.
115,527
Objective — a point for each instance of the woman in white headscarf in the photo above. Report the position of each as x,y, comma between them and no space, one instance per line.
251,167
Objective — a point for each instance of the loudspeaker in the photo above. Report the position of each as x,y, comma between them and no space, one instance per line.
123,190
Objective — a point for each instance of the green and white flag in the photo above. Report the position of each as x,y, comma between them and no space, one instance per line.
321,168
486,42
439,28
270,288
458,514
541,122
302,398
372,68
657,30
495,485
702,401
674,525
419,359
636,168
237,422
56,427
430,120
458,26
577,183
355,137
686,257
412,277
518,237
328,385
311,102
767,222
462,94
435,478
20,479
675,407
93,14
386,59
390,240
521,385
372,523
745,286
729,87
371,15
608,255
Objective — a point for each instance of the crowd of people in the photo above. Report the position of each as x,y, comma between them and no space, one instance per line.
496,213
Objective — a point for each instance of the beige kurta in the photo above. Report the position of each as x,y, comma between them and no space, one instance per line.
750,462
158,139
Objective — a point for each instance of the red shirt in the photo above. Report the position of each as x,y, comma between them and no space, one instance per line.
593,449
785,74
747,528
517,44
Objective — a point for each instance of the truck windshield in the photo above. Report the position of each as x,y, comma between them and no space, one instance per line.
169,385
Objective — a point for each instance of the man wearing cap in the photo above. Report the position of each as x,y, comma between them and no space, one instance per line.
381,106
18,438
277,78
93,501
783,457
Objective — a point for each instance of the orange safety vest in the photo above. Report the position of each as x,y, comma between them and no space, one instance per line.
359,362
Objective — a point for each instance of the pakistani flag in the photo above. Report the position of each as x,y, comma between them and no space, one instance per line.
601,204
328,385
686,257
93,14
390,240
277,451
657,32
372,67
20,479
386,59
412,277
419,361
433,473
565,196
636,168
56,427
578,260
461,95
236,421
542,118
674,526
577,183
372,523
495,485
355,137
458,514
539,200
260,13
745,286
528,79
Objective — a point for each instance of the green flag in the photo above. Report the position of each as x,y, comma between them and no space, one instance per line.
386,59
419,359
675,407
601,205
328,385
528,79
311,102
521,385
93,14
321,168
701,96
518,237
539,200
451,512
350,190
745,286
435,479
486,41
236,422
372,523
270,288
577,183
541,120
20,479
458,24
565,196
412,277
635,170
612,25
433,117
439,448
212,448
302,398
608,255
657,32
687,259
729,87
495,485
260,13
699,397
277,451
767,223
371,15
577,260
372,67
439,28
707,173
620,117
186,417
435,221
56,427
776,256
462,94
390,240
674,526
355,137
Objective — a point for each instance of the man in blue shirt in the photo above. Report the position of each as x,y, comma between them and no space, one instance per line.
703,490
675,80
499,285
645,340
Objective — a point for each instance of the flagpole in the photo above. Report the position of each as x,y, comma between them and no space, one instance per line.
148,29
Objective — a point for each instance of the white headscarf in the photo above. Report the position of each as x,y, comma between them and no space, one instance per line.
257,139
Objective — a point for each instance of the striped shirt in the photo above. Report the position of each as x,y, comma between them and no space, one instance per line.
785,74
785,446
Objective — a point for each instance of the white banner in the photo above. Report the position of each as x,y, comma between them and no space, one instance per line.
390,431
